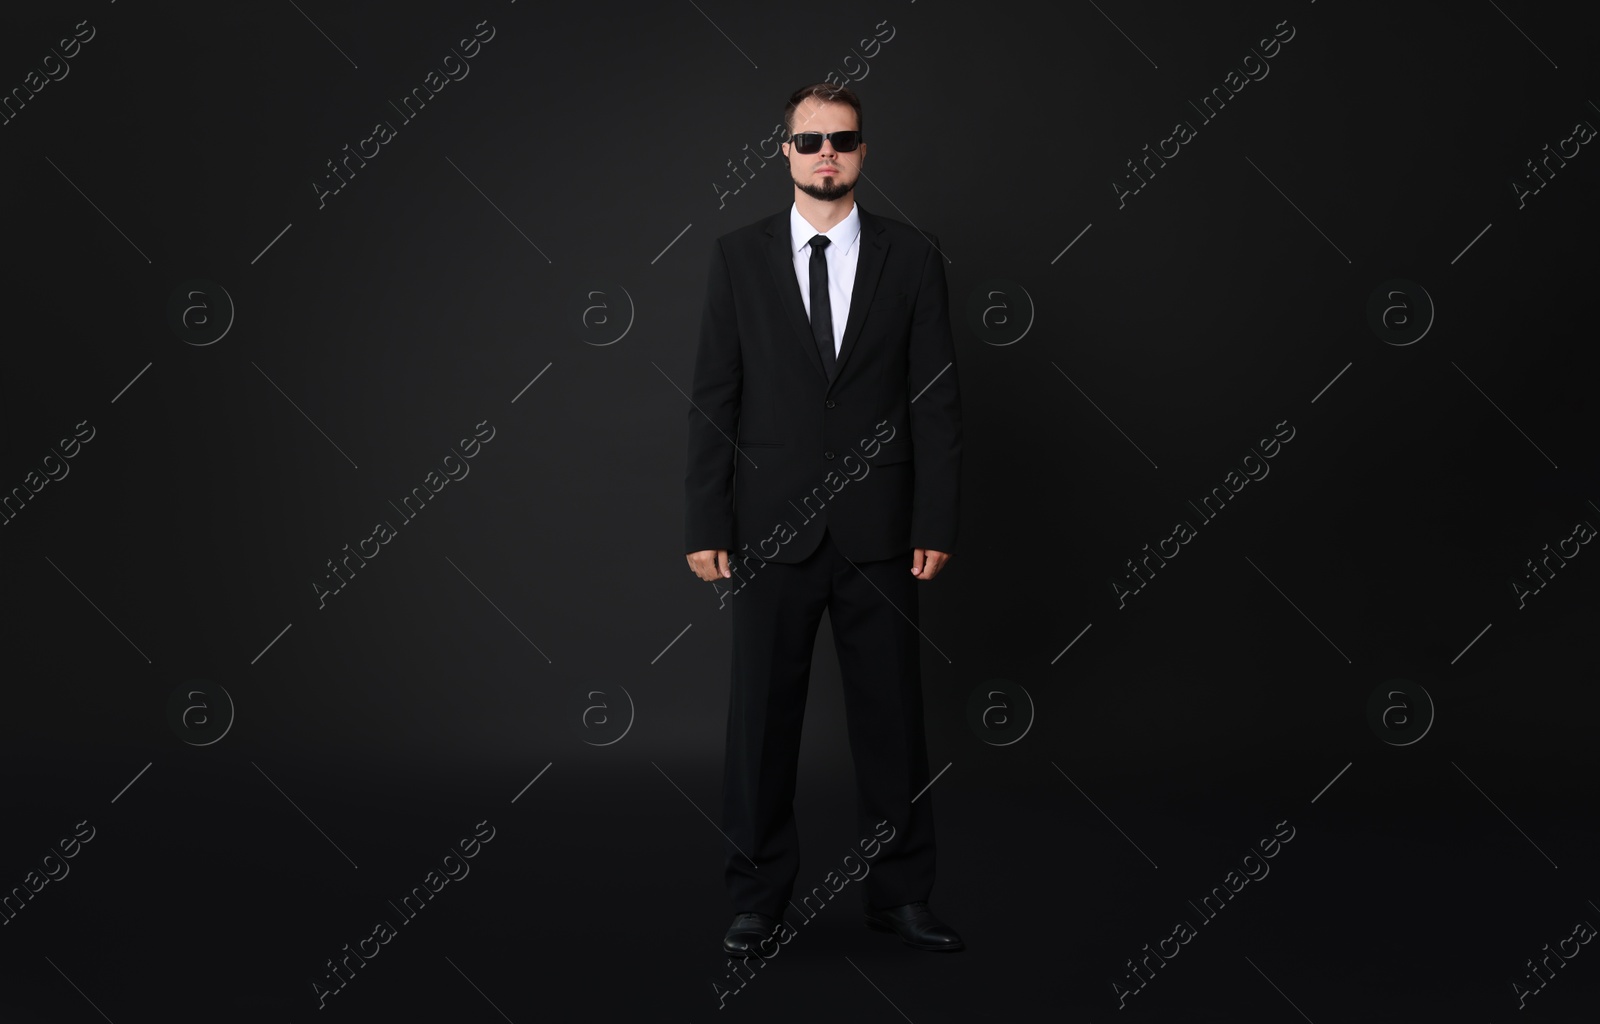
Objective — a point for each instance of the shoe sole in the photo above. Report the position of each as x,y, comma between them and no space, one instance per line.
940,948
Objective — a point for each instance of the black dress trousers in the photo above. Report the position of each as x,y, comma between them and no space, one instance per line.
776,615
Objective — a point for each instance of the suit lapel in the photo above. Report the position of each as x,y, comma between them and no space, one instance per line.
870,252
869,267
780,259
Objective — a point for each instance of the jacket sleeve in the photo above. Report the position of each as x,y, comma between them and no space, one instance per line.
935,413
713,417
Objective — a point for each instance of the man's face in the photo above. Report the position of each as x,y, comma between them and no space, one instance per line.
827,174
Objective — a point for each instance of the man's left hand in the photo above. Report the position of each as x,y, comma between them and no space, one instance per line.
926,562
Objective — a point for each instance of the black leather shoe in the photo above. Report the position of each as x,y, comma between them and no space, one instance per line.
746,933
917,927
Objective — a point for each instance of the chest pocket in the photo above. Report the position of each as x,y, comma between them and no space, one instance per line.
891,312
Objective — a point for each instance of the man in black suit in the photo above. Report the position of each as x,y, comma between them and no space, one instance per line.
825,449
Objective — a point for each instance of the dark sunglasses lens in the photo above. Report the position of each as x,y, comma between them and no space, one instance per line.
808,142
845,142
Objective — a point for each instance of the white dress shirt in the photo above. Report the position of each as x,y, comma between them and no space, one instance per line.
841,255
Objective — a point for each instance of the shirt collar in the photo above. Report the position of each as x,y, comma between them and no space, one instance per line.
841,236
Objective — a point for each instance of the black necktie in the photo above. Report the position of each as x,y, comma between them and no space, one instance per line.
821,310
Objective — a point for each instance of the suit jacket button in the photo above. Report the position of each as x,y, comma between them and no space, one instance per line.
830,403
827,455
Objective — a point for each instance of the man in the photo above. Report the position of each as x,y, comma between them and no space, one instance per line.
825,448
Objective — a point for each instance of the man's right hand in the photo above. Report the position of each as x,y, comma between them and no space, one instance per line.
708,565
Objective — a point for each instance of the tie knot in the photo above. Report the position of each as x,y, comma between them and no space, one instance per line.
819,242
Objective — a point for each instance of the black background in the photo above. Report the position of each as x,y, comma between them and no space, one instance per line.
540,606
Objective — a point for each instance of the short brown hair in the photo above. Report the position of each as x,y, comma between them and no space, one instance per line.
824,92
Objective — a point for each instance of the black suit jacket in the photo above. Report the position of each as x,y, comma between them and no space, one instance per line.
778,451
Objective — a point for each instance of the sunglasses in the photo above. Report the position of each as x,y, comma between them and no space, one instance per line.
811,142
